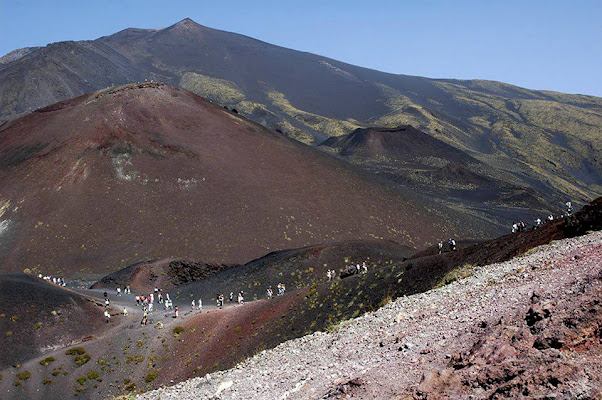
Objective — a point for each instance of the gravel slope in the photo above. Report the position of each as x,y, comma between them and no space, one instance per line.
480,336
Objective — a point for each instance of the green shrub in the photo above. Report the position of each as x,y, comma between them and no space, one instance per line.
81,380
25,375
177,331
46,362
47,381
93,375
75,350
81,360
151,376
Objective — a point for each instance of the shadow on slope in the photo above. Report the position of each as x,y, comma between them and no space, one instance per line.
37,317
410,157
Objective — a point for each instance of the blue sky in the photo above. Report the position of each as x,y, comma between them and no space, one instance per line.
554,45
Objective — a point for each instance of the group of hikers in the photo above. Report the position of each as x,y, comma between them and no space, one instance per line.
281,288
126,290
53,279
219,298
520,226
350,270
147,301
451,243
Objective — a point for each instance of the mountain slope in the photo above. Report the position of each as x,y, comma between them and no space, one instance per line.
38,317
549,141
412,158
147,171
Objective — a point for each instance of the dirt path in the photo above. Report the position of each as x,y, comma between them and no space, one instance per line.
472,337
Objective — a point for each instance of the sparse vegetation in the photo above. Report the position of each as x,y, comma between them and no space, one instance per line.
47,361
462,272
134,359
151,375
81,360
25,375
75,351
177,331
92,375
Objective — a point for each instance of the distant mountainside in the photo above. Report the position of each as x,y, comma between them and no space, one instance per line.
550,142
412,158
147,171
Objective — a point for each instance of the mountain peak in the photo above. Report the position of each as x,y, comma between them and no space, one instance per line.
186,22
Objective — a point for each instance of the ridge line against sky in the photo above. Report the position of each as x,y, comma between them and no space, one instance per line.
546,45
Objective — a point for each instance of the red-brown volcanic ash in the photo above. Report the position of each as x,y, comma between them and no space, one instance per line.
147,171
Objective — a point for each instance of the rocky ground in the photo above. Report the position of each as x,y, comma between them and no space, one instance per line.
529,327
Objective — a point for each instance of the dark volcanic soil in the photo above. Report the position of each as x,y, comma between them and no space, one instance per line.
297,268
131,358
408,156
146,171
37,317
143,277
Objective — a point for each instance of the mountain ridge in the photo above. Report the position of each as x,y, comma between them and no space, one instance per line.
549,141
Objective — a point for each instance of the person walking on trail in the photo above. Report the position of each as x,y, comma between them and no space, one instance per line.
150,307
537,223
144,318
193,304
440,246
107,302
328,275
176,311
118,291
569,208
240,297
231,297
364,268
269,292
221,300
107,316
200,305
137,300
125,312
452,244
